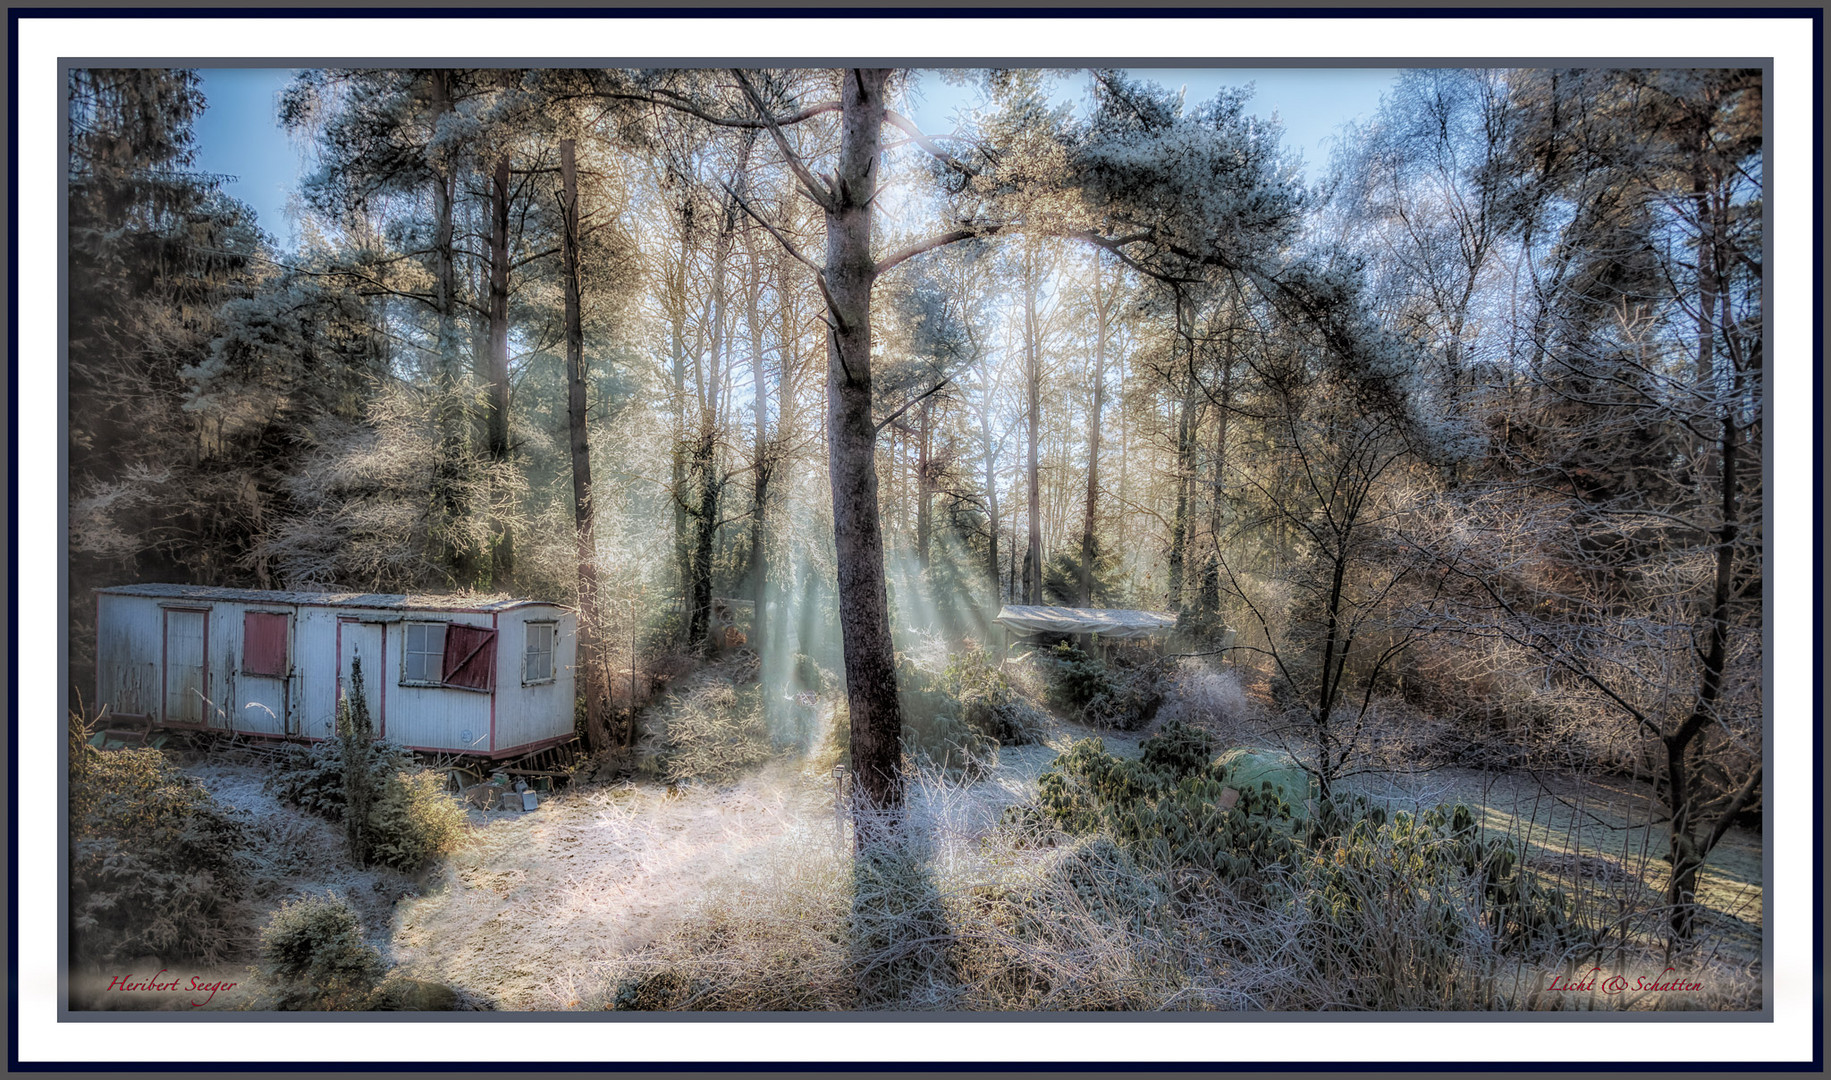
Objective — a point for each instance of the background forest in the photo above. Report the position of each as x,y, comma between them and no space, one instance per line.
1450,458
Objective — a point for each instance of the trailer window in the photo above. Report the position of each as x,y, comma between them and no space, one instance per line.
263,643
537,661
449,654
422,661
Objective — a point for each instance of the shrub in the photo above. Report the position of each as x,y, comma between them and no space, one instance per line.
156,863
1178,750
1074,677
900,940
954,721
310,777
411,819
946,742
313,951
1097,878
1516,910
1192,817
1256,768
934,728
1385,910
1394,903
355,735
1087,931
397,993
1199,629
1124,695
655,992
809,676
988,702
1211,695
710,732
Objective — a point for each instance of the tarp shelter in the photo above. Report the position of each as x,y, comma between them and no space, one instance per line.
1116,623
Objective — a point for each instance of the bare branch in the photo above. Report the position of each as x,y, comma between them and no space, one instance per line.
816,191
931,243
934,149
912,402
773,231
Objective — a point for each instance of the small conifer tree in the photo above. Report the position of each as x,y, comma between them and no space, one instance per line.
357,733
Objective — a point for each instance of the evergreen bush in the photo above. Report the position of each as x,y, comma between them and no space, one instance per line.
313,953
934,726
1124,696
410,818
156,863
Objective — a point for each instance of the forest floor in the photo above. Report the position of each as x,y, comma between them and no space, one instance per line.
542,910
531,913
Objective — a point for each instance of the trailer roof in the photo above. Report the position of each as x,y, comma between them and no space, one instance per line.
394,601
1110,622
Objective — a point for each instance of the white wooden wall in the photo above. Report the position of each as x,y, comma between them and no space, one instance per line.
131,648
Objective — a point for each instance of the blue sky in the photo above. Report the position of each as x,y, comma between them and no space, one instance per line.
239,135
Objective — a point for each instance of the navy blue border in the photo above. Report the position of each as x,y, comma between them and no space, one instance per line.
908,12
1818,535
1816,13
12,539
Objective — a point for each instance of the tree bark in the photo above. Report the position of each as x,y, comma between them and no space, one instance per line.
1210,584
1033,555
456,553
591,658
502,547
864,615
1179,521
992,525
1687,853
761,466
1101,312
704,469
924,478
676,291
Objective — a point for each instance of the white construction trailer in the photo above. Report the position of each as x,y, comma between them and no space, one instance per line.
487,677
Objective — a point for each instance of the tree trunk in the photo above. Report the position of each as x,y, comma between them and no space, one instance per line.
1179,521
924,478
1211,583
1687,853
502,547
677,334
1101,312
1185,457
1334,668
704,470
1702,188
992,525
864,616
591,658
455,552
758,571
1033,556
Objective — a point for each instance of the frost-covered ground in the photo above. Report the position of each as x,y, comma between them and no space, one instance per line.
538,902
545,910
296,854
